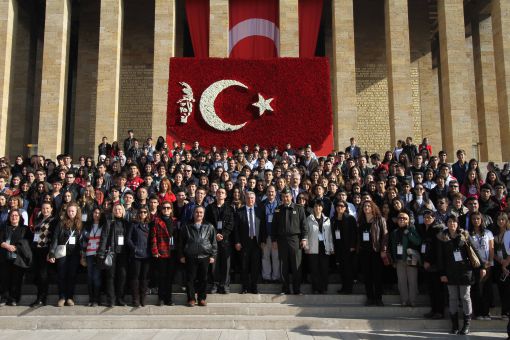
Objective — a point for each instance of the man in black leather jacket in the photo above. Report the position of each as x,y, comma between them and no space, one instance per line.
197,249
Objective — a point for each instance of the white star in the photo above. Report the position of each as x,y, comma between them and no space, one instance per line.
263,105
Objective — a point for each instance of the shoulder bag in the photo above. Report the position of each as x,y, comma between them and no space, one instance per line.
61,250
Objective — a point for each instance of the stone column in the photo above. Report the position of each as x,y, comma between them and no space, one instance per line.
289,28
501,31
57,29
486,91
345,115
429,102
398,61
454,77
218,29
8,21
108,70
164,49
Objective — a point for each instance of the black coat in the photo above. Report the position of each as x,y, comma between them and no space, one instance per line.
430,243
225,213
18,238
61,237
458,272
198,242
110,236
242,230
137,240
289,221
348,235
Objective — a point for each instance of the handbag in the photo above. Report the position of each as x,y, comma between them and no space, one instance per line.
61,250
108,259
473,258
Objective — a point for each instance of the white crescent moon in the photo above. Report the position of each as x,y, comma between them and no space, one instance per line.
207,105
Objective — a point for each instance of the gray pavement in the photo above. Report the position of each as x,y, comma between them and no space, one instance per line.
176,334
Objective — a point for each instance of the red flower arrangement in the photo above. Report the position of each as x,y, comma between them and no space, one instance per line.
301,104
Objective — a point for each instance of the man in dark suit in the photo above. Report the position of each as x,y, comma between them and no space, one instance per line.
250,234
289,236
353,149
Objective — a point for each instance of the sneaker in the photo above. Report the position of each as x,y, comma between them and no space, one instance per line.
70,302
202,303
191,303
61,303
487,318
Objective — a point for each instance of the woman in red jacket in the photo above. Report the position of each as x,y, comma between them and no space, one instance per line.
165,191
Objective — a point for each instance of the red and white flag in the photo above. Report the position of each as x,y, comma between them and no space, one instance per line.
254,32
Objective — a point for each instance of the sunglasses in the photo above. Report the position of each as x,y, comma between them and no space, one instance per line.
166,208
143,212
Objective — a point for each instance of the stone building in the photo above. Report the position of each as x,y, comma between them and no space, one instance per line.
72,71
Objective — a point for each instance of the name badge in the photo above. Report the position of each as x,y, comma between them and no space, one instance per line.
420,219
366,236
120,240
500,254
321,237
400,249
72,240
294,212
458,256
93,244
172,241
220,225
84,217
270,218
337,234
423,248
37,237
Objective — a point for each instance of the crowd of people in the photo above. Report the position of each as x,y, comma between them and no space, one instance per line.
146,216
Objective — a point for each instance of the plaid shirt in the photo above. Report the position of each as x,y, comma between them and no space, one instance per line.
160,238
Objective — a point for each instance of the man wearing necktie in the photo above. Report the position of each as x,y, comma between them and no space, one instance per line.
250,235
289,237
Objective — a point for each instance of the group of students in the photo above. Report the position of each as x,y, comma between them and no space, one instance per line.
138,218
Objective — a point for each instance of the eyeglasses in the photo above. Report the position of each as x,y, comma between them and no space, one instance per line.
166,208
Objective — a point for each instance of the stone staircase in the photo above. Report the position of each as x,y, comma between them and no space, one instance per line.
265,311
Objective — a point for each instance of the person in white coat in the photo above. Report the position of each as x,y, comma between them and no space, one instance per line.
320,247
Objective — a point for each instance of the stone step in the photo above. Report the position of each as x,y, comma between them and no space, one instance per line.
268,322
268,288
248,309
306,299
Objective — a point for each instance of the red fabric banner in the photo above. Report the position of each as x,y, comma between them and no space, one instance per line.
254,32
310,13
293,98
197,12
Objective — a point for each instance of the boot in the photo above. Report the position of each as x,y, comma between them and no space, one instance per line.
465,327
135,291
455,323
143,292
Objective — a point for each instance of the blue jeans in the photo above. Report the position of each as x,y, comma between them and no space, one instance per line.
93,276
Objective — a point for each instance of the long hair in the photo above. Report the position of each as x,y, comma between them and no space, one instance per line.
76,221
375,211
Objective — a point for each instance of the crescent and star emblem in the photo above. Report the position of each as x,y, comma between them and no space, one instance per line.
208,99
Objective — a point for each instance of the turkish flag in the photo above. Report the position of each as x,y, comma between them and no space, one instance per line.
254,32
230,102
